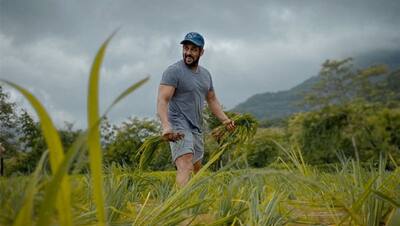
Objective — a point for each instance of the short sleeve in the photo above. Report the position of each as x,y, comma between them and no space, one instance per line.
211,85
170,77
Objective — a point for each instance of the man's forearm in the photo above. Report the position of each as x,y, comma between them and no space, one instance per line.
216,109
162,107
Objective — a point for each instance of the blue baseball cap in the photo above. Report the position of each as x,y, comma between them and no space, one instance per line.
194,38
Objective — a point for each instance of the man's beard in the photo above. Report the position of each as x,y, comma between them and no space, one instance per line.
194,63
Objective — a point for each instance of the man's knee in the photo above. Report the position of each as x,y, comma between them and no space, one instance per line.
184,162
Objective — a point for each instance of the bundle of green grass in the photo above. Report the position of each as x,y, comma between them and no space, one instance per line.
246,127
146,151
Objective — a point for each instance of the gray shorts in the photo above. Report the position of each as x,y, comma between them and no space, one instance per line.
192,143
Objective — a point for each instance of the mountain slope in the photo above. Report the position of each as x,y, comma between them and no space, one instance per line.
276,105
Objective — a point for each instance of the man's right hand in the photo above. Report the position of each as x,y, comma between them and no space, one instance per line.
170,135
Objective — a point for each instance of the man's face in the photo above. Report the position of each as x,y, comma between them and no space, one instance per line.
191,54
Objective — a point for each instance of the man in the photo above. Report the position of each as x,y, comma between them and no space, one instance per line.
183,89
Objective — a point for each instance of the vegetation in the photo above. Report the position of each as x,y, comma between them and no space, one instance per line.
339,81
359,131
337,164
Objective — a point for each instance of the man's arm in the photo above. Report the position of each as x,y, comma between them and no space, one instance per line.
165,93
216,109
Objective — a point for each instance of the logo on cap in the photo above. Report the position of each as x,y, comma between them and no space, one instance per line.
194,38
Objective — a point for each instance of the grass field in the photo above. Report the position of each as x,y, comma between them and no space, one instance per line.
294,194
347,195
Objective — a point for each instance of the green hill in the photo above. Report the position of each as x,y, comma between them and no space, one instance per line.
277,105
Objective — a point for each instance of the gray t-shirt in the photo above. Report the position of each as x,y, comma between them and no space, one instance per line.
186,105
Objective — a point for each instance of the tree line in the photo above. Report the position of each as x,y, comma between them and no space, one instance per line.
354,113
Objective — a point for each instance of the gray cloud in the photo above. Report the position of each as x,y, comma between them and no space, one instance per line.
251,47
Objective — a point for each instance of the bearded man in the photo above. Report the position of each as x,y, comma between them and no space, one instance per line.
183,90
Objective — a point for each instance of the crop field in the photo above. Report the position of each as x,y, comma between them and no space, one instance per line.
348,195
292,192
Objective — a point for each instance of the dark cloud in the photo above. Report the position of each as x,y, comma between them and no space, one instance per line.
251,47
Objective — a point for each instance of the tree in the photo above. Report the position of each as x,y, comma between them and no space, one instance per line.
333,85
31,143
340,83
22,137
356,130
108,133
393,85
129,137
8,117
68,135
262,150
356,113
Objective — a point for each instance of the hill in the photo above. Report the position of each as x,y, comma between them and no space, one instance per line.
278,105
275,105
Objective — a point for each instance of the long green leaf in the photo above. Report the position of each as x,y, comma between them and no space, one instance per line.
352,211
51,190
56,153
226,219
394,219
147,149
24,217
386,198
95,153
63,163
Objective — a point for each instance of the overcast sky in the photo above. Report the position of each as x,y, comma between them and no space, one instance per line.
251,46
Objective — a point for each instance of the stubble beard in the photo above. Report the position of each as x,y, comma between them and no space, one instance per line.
193,64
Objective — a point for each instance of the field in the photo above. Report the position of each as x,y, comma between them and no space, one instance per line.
347,195
291,193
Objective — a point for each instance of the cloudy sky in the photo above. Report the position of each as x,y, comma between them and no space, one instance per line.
251,46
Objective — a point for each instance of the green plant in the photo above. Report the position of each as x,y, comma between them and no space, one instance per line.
351,193
61,164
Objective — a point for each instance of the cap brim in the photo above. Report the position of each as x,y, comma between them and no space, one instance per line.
192,42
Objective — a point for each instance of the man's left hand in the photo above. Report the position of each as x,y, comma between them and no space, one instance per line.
229,124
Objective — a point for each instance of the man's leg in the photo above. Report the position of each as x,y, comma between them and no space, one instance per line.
197,166
198,151
184,167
